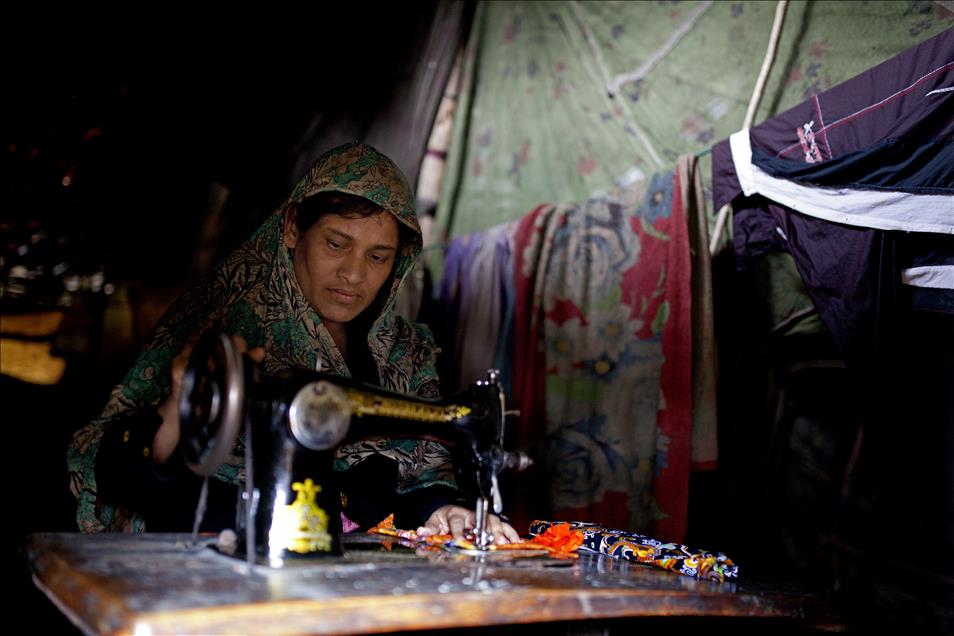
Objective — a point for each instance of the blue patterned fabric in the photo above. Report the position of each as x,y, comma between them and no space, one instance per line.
676,557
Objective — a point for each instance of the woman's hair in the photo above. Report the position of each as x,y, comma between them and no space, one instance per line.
350,206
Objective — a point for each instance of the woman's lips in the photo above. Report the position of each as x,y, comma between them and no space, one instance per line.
345,296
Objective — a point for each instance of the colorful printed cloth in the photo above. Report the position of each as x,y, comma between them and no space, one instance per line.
591,302
254,293
602,356
440,541
642,549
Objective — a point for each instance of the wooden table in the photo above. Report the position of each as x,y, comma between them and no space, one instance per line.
162,584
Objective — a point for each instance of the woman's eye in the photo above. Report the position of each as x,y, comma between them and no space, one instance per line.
377,258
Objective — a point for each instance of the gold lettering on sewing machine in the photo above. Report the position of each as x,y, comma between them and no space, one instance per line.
366,404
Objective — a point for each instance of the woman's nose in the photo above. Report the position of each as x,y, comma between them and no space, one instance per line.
352,269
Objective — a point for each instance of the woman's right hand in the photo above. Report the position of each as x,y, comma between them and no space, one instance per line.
167,437
456,520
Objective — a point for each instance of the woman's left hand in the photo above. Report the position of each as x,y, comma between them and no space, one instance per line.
456,520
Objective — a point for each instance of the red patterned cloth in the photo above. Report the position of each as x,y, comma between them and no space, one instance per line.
602,360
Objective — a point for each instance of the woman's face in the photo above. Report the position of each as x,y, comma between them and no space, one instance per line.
342,262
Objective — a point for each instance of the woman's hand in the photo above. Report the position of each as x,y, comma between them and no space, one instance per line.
167,437
455,520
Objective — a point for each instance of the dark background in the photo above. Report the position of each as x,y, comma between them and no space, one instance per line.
145,115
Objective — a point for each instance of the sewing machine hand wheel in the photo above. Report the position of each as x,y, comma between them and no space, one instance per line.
211,403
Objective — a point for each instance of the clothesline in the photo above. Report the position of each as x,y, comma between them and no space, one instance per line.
750,113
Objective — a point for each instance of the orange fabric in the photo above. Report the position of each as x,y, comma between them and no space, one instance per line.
559,538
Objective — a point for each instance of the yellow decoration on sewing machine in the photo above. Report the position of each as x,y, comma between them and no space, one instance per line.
367,404
307,523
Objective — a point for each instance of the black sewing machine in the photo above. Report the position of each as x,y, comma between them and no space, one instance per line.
293,424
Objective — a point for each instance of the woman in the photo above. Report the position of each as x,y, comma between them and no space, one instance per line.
314,288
